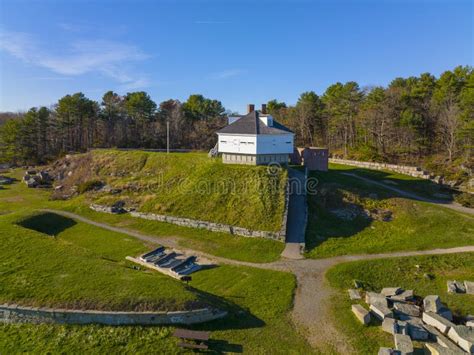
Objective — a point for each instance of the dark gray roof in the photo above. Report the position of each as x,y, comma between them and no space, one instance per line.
251,124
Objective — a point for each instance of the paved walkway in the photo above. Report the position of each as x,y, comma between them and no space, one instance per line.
297,215
451,205
311,311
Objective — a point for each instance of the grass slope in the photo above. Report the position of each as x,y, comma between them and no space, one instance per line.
400,272
421,187
185,185
415,225
18,197
83,266
258,323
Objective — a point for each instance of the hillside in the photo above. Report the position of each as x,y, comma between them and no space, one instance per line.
179,184
350,216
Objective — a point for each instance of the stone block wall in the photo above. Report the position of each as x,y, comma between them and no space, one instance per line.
214,227
11,313
402,169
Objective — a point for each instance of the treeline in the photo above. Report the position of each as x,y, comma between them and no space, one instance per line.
412,120
77,123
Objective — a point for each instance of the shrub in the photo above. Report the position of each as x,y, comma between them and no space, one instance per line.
366,153
89,185
465,199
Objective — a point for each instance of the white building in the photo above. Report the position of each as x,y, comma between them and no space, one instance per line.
255,139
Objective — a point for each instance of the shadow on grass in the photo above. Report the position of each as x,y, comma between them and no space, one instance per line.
237,317
47,223
224,347
423,188
6,185
323,205
329,215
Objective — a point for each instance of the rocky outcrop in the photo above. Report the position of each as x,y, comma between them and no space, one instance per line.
34,179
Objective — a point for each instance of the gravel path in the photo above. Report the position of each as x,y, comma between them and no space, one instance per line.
312,297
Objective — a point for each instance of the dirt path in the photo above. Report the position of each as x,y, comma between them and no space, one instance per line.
311,311
451,205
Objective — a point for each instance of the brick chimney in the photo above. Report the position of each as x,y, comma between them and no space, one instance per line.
250,108
264,109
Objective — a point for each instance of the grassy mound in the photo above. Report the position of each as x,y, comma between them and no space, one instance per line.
179,184
18,198
408,273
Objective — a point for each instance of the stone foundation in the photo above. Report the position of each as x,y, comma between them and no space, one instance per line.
257,159
19,314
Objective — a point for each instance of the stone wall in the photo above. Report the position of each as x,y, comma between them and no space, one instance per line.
412,171
214,227
306,211
402,169
106,209
18,314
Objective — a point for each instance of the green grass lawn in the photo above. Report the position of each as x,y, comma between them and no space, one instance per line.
82,266
185,185
259,302
220,244
18,197
49,260
397,272
414,225
93,339
421,187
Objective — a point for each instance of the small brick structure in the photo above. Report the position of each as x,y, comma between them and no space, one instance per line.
313,158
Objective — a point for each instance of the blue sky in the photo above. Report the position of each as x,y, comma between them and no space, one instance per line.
238,52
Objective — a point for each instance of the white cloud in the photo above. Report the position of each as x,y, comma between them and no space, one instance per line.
229,73
135,84
79,57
